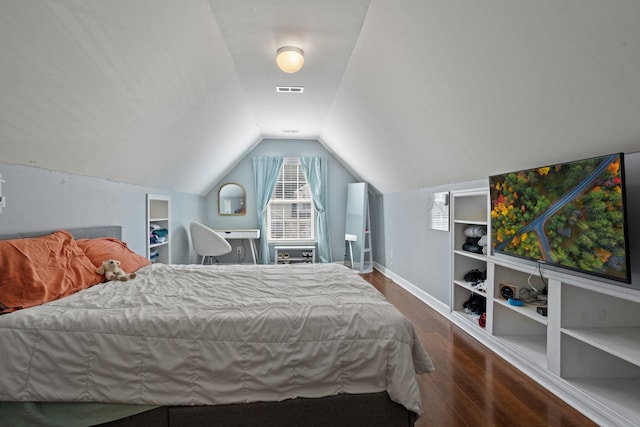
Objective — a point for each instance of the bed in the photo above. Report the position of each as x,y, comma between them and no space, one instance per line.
307,344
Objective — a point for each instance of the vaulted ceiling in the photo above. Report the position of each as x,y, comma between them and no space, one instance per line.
408,94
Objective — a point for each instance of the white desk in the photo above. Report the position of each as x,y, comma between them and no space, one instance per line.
250,234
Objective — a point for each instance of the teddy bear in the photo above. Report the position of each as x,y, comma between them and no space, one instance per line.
112,271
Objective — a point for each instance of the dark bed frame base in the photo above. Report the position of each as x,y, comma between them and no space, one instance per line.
353,410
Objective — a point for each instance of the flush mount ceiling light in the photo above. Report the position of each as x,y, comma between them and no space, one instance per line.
290,59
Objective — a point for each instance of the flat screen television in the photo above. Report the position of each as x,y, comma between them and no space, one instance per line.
570,215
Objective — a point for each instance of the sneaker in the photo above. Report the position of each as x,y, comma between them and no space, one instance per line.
474,276
480,286
469,247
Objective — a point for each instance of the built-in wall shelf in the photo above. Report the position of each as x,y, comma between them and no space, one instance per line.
472,320
479,257
533,347
467,208
586,350
619,395
620,342
527,310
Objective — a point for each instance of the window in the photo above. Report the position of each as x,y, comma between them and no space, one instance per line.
290,214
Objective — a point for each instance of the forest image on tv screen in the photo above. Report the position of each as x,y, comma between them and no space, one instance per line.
570,215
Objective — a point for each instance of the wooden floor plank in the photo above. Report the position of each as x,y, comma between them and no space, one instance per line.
472,386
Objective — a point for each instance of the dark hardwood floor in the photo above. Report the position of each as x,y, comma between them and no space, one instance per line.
471,385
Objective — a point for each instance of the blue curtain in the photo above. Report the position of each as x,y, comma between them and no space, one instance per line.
265,176
315,170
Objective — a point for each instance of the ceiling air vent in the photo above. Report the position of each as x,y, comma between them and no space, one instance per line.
290,89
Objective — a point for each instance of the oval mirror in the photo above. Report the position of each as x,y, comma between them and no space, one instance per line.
231,199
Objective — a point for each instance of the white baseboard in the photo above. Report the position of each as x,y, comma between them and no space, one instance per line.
415,291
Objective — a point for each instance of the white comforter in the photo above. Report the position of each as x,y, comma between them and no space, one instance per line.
202,335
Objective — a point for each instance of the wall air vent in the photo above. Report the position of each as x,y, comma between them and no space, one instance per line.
290,89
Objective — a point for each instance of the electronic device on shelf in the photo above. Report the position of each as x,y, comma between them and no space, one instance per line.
508,291
544,214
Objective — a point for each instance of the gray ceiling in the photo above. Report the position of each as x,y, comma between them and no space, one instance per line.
409,94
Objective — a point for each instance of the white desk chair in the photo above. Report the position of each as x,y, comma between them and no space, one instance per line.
207,242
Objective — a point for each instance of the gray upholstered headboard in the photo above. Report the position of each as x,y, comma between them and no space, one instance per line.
78,233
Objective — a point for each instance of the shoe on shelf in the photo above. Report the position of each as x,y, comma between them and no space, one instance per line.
475,276
471,247
480,286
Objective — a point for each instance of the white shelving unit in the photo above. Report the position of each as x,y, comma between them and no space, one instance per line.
600,344
294,254
586,351
521,328
467,208
159,212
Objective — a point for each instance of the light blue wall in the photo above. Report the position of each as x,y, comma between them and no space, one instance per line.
242,174
407,247
42,200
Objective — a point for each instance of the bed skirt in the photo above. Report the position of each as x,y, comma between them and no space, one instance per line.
353,410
